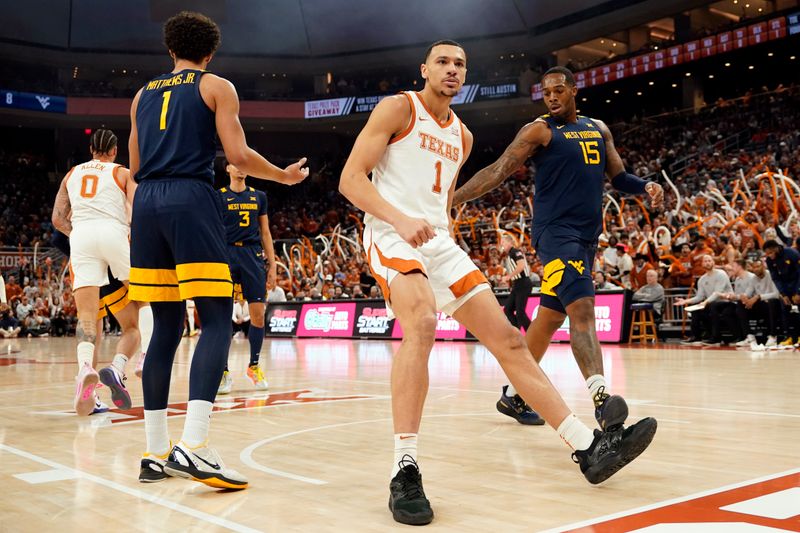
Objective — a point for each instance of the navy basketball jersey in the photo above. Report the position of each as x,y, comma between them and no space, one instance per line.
240,214
570,174
176,129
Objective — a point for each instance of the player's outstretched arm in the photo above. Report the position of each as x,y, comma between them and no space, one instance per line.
620,179
528,140
62,209
269,251
225,104
389,117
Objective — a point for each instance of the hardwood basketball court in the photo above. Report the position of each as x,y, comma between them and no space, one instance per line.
317,447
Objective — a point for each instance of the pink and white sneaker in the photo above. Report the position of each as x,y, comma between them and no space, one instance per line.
84,392
140,365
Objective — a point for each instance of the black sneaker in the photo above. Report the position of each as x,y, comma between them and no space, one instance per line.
611,450
516,408
407,500
152,468
609,411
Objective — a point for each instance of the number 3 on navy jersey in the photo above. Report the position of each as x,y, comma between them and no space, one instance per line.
245,218
591,155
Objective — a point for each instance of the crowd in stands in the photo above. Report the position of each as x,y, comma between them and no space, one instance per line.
723,198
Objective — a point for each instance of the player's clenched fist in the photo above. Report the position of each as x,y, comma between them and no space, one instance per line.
415,231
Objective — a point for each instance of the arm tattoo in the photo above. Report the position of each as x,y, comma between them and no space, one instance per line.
492,176
62,211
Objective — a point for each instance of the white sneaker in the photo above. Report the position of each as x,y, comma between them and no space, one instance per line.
225,384
202,464
99,406
755,347
747,341
772,342
152,467
256,375
84,393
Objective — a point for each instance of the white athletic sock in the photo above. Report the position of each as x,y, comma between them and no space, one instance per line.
198,417
85,354
511,391
155,429
575,433
146,326
404,444
119,362
593,383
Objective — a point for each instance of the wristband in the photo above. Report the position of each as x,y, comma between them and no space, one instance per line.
629,183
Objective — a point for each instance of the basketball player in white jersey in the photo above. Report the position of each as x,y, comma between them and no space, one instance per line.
414,146
92,209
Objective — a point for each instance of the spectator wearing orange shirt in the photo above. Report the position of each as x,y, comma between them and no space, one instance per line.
13,291
639,272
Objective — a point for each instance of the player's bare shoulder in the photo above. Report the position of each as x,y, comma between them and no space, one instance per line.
214,87
393,113
535,134
604,130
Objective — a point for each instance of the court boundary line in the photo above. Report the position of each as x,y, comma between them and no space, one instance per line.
672,501
158,500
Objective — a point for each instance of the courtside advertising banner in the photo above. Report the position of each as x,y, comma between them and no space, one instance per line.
609,315
327,319
368,319
372,321
282,319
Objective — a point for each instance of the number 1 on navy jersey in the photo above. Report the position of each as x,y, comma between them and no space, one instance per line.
164,106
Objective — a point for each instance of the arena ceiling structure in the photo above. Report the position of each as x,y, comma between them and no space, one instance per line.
317,38
297,35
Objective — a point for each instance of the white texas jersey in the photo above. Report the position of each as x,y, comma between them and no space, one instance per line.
420,164
96,192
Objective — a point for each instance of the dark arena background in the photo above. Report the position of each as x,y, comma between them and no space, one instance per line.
701,97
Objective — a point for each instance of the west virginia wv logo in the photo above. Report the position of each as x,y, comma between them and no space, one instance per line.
577,265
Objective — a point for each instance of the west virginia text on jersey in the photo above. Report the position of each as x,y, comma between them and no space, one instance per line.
570,174
240,214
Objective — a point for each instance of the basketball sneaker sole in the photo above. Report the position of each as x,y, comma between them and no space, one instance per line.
119,394
84,394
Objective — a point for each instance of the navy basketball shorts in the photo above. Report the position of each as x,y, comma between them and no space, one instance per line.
247,270
178,249
567,269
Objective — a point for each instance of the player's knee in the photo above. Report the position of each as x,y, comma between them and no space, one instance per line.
421,330
257,316
581,314
512,339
